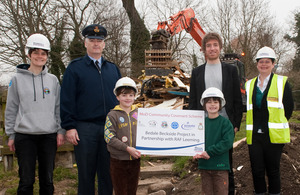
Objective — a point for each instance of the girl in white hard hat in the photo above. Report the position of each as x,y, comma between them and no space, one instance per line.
269,106
32,119
120,136
219,135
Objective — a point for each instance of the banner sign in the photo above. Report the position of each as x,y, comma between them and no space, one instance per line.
170,132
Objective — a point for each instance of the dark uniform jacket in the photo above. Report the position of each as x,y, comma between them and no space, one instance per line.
87,92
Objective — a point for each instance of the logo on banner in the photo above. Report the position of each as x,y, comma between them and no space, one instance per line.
187,126
174,125
152,123
198,149
164,124
200,126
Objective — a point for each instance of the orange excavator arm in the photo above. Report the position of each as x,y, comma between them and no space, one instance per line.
184,20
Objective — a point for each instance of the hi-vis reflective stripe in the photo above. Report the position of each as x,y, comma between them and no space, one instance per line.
249,106
278,125
249,127
280,92
275,104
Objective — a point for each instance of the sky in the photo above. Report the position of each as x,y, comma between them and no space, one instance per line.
283,10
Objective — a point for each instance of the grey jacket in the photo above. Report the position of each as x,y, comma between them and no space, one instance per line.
32,105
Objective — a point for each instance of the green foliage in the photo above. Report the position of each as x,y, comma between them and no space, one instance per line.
195,61
181,165
295,117
76,48
9,179
57,66
61,173
242,131
296,39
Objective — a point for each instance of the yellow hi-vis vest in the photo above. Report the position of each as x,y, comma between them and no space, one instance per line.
279,131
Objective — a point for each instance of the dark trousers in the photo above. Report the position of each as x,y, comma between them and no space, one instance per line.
231,187
30,148
92,158
265,158
125,176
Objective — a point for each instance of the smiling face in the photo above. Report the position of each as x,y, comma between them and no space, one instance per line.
212,50
126,100
212,105
265,66
38,57
94,47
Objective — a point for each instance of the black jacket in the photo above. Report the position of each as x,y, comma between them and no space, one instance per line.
86,92
230,89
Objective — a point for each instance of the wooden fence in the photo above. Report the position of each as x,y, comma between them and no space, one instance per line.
64,155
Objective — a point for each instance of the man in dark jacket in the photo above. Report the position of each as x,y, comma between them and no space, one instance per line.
86,98
223,76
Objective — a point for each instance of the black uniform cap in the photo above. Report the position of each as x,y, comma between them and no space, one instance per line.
94,31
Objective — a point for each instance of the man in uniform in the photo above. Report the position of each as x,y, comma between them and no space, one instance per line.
86,98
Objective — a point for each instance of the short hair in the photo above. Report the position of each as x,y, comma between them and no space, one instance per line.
211,36
214,99
273,60
125,90
33,49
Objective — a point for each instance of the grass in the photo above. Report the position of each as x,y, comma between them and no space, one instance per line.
10,179
180,166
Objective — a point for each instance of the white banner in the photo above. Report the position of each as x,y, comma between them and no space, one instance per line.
170,132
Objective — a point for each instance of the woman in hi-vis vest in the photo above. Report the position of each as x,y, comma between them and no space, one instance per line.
269,106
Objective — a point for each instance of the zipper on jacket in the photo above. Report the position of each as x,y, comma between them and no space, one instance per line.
34,93
130,132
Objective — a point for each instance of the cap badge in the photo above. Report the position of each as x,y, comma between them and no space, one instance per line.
96,30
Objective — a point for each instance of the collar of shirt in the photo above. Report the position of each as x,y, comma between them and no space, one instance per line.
262,89
99,60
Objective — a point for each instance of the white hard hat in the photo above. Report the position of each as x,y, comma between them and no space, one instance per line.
125,82
265,52
38,41
213,92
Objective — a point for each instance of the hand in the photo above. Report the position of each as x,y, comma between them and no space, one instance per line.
11,145
203,155
197,156
133,152
60,139
236,130
72,136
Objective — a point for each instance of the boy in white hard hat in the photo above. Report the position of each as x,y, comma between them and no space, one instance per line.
214,161
120,136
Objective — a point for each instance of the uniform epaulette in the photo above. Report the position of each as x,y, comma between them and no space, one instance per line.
77,59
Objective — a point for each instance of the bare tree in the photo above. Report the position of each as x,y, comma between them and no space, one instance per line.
223,16
139,37
117,45
19,19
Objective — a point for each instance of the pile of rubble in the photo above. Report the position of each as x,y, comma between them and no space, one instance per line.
170,92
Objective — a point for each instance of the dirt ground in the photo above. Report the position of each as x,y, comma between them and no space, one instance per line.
290,170
191,183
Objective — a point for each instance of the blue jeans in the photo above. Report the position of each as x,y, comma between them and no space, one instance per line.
30,148
92,158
